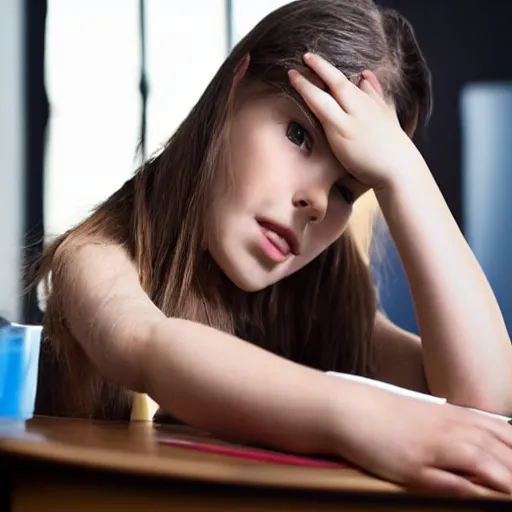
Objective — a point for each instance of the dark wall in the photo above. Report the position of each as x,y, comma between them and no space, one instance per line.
463,41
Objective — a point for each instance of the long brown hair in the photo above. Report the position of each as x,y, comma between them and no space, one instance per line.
321,316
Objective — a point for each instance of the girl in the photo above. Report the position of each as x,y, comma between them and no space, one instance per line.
227,275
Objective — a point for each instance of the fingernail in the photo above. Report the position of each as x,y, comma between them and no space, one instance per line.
308,56
293,74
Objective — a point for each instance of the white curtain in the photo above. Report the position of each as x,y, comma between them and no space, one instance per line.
92,80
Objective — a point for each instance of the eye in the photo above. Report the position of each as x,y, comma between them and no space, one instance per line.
345,193
298,135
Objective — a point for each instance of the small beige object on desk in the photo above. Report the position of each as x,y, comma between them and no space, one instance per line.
143,407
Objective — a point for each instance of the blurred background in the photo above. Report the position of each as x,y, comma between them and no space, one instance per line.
83,81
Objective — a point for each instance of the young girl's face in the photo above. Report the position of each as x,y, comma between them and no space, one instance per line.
289,198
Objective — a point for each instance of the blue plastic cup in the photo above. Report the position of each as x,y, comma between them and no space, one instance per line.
19,365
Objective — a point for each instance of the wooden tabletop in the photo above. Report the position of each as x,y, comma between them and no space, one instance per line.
136,448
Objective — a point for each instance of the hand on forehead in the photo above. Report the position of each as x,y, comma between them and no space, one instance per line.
314,78
367,75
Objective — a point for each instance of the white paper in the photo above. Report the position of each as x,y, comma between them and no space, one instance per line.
406,392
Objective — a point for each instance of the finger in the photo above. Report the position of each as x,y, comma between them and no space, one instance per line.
322,104
371,86
347,94
373,81
471,460
314,78
366,86
502,454
494,448
499,428
443,483
502,430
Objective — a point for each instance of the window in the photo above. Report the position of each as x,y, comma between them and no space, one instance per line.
93,61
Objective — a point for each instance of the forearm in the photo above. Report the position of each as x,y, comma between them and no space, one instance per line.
233,389
466,348
200,375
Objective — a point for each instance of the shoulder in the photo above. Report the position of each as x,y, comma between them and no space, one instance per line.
76,258
89,272
96,291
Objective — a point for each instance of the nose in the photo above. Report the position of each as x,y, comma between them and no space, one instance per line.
313,203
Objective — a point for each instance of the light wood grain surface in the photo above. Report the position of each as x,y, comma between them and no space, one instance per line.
133,449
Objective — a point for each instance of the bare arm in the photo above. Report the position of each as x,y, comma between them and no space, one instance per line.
399,357
202,376
466,349
236,390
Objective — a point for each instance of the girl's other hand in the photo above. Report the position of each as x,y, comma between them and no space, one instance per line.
442,449
362,129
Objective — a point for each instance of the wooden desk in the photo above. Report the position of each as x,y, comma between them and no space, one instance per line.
63,464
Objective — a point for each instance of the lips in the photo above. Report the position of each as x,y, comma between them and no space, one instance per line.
281,237
277,240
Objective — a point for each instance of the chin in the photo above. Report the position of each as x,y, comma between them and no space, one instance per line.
249,284
247,272
250,279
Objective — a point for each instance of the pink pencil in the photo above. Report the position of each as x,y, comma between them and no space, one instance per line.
248,453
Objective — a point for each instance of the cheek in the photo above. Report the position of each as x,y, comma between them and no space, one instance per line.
329,230
328,233
336,219
263,171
